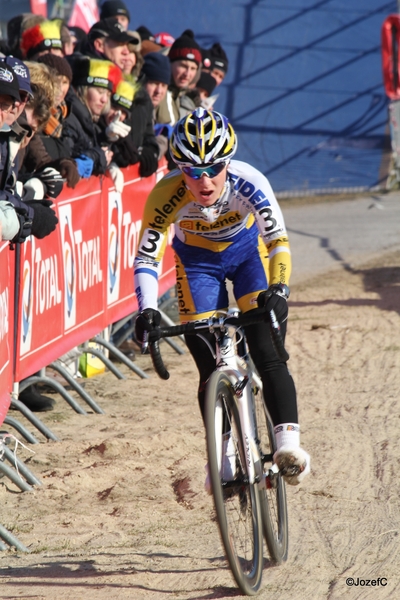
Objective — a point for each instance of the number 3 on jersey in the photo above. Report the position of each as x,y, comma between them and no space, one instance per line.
151,243
267,216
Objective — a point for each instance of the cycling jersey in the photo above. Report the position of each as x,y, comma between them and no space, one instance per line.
226,240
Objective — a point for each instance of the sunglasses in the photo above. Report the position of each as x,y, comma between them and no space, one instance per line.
198,172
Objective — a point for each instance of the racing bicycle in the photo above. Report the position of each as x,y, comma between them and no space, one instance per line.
250,503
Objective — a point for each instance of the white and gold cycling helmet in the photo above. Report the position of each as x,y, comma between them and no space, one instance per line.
203,137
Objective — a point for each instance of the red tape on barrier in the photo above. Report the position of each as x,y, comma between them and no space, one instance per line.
7,269
79,279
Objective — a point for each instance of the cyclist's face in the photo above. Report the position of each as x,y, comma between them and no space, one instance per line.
205,190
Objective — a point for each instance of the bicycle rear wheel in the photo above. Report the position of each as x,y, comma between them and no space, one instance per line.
273,494
237,502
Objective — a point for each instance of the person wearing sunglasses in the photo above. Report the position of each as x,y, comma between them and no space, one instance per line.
228,226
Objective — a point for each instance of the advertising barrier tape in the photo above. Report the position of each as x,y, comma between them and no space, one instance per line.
7,275
79,279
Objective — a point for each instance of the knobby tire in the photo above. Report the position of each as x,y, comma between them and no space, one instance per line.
273,493
237,504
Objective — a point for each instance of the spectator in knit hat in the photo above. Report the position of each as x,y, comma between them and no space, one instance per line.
206,85
185,57
215,61
116,9
40,39
15,27
107,39
156,76
88,98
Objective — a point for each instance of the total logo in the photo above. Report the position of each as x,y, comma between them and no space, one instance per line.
41,289
69,263
123,235
81,262
4,313
27,293
114,245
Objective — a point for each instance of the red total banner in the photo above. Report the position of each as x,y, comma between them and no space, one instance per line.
79,279
7,270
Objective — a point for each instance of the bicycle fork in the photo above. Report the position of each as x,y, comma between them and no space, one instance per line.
242,390
254,459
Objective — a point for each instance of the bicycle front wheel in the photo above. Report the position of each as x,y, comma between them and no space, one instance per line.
237,502
273,493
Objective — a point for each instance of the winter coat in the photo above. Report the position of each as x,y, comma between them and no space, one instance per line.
82,134
140,145
10,140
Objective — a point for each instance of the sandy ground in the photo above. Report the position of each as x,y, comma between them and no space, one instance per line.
122,513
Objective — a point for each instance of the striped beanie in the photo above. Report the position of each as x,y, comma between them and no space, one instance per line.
41,37
185,48
124,94
95,72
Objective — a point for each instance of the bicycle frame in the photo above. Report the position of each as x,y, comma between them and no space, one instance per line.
241,377
231,402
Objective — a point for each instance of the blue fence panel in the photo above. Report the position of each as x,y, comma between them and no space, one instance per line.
304,88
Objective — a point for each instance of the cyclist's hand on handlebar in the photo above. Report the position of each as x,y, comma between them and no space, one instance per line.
274,298
147,320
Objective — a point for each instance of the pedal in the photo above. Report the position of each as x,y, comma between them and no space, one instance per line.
271,479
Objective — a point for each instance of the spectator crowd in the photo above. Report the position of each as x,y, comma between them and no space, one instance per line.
75,104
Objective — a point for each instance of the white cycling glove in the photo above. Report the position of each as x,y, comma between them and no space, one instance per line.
117,129
117,176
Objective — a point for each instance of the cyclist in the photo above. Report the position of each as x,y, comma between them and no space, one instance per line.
228,226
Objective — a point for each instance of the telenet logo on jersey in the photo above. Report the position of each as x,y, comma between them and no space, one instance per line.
226,221
163,214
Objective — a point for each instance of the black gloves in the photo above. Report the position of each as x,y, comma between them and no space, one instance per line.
148,162
274,298
44,218
53,181
25,218
146,320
